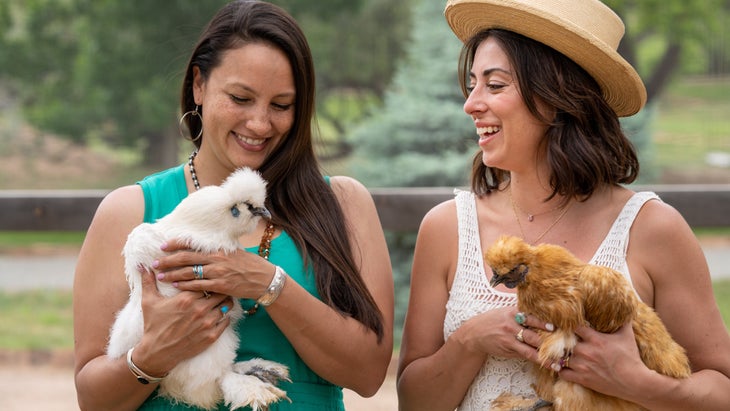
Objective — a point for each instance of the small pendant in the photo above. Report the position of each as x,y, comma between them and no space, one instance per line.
530,217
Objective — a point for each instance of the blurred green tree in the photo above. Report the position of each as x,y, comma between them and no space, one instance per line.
110,70
421,132
661,38
102,69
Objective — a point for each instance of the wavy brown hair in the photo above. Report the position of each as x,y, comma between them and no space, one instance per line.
300,200
585,144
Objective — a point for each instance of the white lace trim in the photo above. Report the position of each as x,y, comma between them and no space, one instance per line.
471,294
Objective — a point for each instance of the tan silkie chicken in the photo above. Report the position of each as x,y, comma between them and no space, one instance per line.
556,287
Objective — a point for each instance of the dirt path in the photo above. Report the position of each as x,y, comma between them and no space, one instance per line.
49,388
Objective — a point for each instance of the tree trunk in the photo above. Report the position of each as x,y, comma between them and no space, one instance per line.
663,71
162,149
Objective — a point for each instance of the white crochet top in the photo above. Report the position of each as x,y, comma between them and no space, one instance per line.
471,294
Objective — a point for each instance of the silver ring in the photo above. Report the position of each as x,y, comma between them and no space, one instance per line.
198,271
519,336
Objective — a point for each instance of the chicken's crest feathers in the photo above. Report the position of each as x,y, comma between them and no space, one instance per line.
510,258
214,217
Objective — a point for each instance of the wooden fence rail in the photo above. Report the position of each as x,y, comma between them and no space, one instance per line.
400,209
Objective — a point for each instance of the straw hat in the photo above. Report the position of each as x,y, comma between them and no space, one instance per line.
586,31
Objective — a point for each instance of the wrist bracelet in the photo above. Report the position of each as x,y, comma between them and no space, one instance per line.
139,374
272,293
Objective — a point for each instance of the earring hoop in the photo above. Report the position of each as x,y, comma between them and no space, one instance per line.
194,113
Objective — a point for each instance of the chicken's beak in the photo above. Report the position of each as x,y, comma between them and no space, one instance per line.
496,279
512,279
261,211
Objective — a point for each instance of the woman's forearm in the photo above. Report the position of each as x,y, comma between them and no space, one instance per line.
439,381
108,384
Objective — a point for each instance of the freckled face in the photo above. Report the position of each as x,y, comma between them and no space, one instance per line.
248,104
508,133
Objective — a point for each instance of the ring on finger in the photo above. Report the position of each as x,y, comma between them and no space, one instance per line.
224,311
521,318
198,271
519,335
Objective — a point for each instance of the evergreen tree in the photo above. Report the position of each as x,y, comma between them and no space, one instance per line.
420,136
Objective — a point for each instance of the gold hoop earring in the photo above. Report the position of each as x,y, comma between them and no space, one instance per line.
182,119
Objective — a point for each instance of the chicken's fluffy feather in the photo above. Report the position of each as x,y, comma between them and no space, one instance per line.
555,286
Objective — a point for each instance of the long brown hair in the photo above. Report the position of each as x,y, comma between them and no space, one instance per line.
300,200
584,142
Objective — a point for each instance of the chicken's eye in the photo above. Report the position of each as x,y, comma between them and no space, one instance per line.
235,211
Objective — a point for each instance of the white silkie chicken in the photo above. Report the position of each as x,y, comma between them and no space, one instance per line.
209,220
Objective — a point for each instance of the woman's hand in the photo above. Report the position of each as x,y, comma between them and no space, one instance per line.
240,274
606,363
497,333
177,327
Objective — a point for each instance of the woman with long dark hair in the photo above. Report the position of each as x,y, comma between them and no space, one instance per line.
315,278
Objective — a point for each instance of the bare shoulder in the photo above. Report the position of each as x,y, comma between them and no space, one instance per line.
352,195
122,201
660,229
118,213
438,240
347,186
661,233
658,218
665,257
441,216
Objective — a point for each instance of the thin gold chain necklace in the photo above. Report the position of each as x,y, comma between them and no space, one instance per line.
530,216
265,244
550,227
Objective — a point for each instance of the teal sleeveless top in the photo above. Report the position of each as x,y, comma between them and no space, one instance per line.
259,335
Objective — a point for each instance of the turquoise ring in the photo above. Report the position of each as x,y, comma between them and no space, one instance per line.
198,271
521,318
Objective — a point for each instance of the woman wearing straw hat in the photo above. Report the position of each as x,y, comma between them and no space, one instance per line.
545,88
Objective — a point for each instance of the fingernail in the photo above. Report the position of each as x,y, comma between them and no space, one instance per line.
549,327
161,276
555,367
174,284
155,263
163,246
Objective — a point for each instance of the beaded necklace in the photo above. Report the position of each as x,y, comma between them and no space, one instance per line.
265,245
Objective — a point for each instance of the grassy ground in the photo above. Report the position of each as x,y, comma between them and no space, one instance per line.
691,124
36,320
25,239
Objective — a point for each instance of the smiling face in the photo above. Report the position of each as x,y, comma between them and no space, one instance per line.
508,132
248,104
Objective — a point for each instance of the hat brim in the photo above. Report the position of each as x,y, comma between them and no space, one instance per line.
621,85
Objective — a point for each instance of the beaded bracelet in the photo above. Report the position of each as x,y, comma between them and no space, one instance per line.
274,289
141,376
